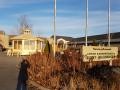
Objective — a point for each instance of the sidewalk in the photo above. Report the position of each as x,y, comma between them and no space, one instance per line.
8,72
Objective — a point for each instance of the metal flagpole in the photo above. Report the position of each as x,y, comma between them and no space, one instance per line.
110,62
109,23
54,26
86,28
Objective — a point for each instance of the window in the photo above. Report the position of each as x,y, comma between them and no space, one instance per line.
26,44
29,44
19,44
32,44
15,44
40,45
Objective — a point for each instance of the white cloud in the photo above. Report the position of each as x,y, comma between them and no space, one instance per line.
98,22
11,3
39,11
65,25
74,25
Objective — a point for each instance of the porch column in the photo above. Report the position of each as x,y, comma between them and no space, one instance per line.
17,44
22,45
66,45
12,44
41,46
36,45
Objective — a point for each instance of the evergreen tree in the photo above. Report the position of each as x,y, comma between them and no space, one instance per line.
48,47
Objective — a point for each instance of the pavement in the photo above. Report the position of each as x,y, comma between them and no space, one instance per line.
8,71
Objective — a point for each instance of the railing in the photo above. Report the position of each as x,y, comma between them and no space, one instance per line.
10,52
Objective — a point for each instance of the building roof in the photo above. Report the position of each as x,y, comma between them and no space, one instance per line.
43,38
115,37
23,36
11,36
63,37
26,37
2,32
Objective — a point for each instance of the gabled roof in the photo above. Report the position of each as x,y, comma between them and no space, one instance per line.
24,37
11,36
63,37
43,38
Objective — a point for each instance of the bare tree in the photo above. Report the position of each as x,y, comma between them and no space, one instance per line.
24,24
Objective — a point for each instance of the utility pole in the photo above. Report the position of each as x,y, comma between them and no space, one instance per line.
86,26
109,23
54,27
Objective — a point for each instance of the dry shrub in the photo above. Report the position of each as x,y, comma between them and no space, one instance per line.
107,76
42,67
116,62
56,73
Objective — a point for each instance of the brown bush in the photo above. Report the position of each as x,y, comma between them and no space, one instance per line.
57,72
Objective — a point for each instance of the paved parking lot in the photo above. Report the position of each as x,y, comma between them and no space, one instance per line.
8,72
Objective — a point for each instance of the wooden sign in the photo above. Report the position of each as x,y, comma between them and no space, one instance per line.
99,53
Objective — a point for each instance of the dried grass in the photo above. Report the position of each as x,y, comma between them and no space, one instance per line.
67,71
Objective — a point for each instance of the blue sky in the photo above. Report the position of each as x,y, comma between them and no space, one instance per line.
70,16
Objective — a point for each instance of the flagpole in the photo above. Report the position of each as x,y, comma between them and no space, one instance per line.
54,26
86,27
109,23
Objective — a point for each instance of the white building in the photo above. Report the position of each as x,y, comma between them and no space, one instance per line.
26,43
